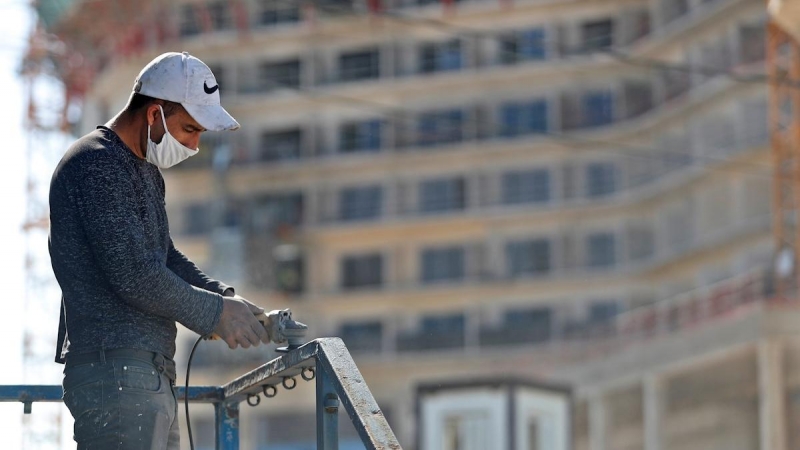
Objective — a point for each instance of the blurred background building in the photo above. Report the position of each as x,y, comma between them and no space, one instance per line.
536,225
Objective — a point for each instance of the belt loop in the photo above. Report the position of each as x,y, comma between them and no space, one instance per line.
158,360
103,356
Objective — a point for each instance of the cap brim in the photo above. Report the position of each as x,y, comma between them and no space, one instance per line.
212,117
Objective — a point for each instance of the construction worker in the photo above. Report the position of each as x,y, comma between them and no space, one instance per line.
124,283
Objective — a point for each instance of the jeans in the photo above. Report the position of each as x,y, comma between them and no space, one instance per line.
122,403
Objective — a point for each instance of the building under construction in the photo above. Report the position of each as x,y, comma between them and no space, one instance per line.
496,204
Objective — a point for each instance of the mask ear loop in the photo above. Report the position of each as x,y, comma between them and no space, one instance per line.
163,120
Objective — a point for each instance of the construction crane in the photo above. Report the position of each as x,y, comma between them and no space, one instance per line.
783,65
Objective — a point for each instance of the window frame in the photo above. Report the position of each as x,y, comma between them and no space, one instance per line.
361,271
442,264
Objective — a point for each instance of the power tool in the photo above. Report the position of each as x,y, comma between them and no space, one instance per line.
281,329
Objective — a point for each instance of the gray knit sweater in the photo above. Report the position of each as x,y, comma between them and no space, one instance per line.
124,283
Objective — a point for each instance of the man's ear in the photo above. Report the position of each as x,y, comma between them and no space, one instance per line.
153,112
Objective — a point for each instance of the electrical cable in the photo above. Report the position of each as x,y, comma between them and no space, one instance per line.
186,392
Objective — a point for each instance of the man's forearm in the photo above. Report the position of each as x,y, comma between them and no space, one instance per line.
189,272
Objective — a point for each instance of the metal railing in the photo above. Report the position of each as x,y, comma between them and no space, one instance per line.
668,316
326,360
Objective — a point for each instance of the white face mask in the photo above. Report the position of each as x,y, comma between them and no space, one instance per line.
169,151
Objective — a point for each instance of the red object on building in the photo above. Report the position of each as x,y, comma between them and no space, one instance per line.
134,40
163,28
310,14
204,17
449,6
748,290
240,16
374,6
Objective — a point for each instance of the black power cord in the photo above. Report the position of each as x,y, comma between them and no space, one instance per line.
186,392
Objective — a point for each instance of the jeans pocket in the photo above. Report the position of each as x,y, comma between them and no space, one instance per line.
95,408
95,421
84,398
137,375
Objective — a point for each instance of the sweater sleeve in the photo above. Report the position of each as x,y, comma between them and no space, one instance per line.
189,272
115,230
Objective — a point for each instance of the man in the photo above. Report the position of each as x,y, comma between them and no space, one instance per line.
124,283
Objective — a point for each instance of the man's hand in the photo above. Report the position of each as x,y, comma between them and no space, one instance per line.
238,324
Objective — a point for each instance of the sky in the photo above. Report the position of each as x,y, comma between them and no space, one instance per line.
15,21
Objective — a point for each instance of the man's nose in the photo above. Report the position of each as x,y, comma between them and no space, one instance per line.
193,141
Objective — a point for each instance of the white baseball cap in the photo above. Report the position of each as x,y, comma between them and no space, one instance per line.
184,79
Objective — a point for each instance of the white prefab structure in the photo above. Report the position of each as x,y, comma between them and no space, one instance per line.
493,415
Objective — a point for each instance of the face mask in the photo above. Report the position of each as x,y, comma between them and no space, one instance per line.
169,151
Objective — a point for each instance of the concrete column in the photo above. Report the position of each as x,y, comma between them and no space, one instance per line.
472,181
308,67
315,279
312,214
495,256
652,405
388,59
390,330
598,423
472,329
772,396
390,185
622,233
402,270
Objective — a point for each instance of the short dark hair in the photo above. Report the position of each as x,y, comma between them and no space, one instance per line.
139,101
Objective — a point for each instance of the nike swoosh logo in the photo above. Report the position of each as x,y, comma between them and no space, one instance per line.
208,89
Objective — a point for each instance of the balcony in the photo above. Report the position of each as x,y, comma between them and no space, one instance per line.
523,47
472,127
642,178
540,328
518,334
430,341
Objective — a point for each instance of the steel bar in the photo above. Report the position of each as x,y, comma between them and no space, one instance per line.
226,415
30,393
272,373
327,411
367,417
201,394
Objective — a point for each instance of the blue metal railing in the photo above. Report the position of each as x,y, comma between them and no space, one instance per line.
327,360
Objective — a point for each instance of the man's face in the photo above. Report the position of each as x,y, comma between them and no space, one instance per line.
180,124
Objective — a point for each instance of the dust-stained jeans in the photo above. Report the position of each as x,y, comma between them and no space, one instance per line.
122,403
